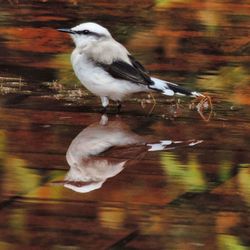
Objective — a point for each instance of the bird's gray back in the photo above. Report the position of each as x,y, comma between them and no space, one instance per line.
107,51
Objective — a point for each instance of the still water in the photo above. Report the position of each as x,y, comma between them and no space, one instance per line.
72,178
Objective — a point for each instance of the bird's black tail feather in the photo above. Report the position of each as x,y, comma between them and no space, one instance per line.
169,88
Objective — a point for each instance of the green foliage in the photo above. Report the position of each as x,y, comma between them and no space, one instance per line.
188,175
230,242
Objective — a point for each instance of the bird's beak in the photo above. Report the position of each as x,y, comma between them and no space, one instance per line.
66,30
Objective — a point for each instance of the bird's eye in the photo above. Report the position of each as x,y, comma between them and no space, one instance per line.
85,32
82,32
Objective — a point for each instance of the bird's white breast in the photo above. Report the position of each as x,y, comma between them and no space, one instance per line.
98,81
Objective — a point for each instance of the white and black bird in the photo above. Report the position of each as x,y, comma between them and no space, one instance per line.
108,70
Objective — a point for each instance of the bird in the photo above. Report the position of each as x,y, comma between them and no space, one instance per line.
108,70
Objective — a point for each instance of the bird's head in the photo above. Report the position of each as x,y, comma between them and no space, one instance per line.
87,33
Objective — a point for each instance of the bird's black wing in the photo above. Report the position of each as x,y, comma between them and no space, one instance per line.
123,70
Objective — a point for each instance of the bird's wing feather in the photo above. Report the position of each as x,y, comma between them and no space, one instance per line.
133,72
138,65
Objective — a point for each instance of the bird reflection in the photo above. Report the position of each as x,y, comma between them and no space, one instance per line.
88,172
89,169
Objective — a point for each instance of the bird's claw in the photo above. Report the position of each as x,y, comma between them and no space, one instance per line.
104,110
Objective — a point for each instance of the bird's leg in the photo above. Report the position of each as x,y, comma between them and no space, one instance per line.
119,107
105,103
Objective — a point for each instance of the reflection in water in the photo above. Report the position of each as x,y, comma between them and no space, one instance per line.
88,172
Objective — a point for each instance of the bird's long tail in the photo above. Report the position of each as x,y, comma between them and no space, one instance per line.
170,89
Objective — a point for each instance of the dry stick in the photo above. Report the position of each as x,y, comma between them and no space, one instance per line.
208,99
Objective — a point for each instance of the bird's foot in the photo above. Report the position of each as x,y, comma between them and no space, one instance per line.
105,103
104,110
